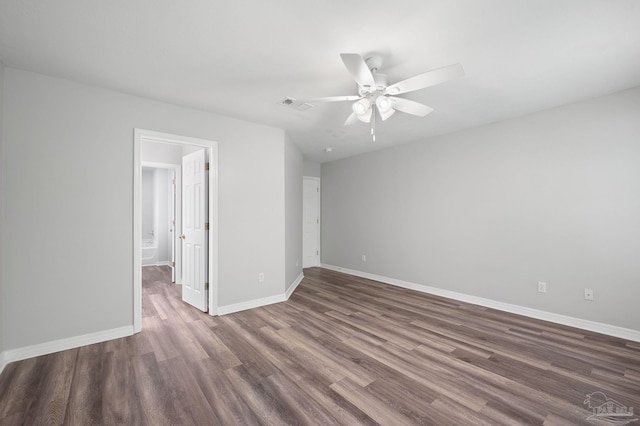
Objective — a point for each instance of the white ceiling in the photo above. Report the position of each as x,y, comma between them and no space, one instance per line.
242,58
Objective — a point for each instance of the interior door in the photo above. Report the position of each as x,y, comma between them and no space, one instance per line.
194,230
310,222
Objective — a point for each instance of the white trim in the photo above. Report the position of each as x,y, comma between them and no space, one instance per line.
597,327
62,345
149,135
155,165
137,230
88,339
293,286
213,229
3,361
250,304
256,303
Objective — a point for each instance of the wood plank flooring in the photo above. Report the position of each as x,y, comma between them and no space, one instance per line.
342,350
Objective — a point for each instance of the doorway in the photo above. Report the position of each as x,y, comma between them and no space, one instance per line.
143,141
159,196
310,221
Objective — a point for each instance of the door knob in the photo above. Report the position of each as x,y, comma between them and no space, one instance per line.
181,236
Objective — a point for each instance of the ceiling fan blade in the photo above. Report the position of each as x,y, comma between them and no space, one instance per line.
332,99
427,79
410,107
358,69
351,119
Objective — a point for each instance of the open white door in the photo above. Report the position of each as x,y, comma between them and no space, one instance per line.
310,222
194,230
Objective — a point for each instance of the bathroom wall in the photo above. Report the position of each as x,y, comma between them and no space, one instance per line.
148,203
161,209
157,211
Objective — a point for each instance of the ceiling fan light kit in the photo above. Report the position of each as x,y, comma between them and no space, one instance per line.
361,106
375,94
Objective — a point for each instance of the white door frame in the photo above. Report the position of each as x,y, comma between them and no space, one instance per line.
148,135
319,224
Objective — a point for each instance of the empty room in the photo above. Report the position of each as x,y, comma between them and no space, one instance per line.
313,213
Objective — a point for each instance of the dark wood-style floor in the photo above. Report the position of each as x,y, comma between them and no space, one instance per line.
342,350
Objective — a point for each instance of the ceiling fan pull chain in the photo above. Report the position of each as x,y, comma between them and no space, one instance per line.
373,123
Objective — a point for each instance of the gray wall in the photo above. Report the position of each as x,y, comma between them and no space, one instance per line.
2,296
311,169
293,211
489,212
68,191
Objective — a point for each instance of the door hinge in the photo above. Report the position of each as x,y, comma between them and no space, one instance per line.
317,252
206,166
317,220
206,226
206,286
317,189
173,181
173,264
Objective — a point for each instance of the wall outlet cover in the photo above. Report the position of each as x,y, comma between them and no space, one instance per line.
588,294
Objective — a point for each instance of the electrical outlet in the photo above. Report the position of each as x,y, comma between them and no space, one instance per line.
364,257
542,287
261,277
588,294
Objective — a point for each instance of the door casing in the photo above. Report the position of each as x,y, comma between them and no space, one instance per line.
159,137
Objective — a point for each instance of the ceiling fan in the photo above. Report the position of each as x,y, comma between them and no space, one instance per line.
374,94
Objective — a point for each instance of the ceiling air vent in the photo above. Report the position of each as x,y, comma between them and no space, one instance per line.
299,105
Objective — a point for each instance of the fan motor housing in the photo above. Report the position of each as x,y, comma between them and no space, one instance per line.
381,84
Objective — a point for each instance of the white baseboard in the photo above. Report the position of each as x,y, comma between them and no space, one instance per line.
250,304
256,303
88,339
3,361
610,330
61,345
294,285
